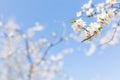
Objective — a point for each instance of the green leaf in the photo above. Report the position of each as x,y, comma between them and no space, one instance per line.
100,28
73,21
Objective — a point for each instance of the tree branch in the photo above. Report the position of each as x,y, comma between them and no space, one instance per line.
111,37
87,38
54,43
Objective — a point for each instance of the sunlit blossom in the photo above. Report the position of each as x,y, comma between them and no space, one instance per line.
93,29
78,25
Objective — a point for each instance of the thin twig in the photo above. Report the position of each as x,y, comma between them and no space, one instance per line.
111,37
30,72
53,44
30,60
87,38
48,48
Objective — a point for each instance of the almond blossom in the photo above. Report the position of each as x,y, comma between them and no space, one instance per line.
78,25
105,16
90,12
100,7
92,30
87,5
103,13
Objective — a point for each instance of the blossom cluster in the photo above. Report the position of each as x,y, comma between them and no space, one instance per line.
18,52
102,13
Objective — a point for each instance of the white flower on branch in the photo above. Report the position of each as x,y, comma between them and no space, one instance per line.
78,25
105,16
93,28
100,7
90,11
103,13
87,5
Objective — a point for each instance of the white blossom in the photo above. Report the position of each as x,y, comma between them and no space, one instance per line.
38,27
17,50
90,11
60,56
1,23
92,29
87,5
54,34
91,50
104,17
11,25
110,1
100,7
78,25
78,14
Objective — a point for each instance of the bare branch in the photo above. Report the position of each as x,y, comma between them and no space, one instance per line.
30,72
49,47
30,61
88,38
111,37
54,43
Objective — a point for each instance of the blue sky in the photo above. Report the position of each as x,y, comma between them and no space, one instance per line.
103,64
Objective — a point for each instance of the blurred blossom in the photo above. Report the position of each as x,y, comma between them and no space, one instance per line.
54,34
87,5
1,23
91,50
90,11
71,79
42,41
16,51
60,56
31,31
100,7
38,27
78,14
11,25
110,1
